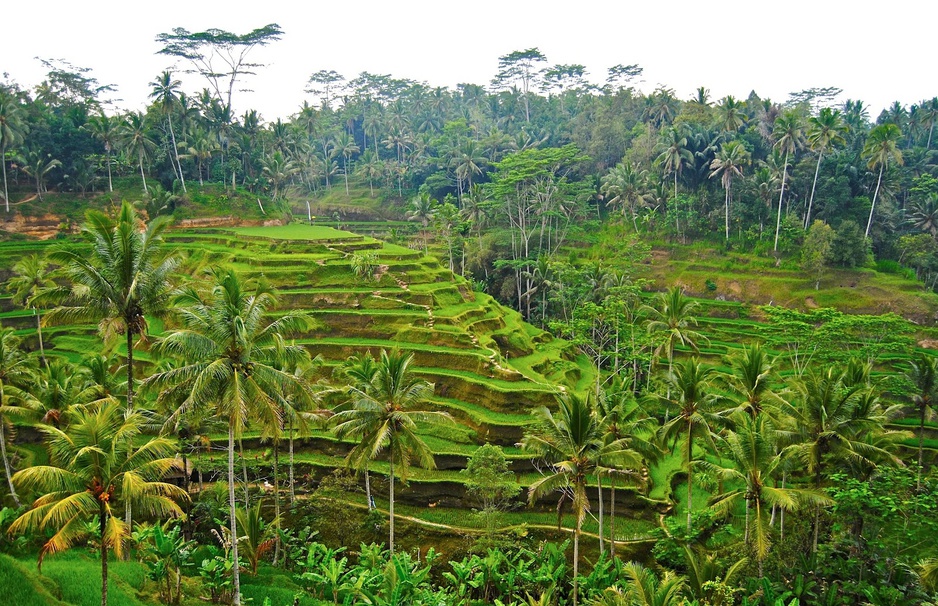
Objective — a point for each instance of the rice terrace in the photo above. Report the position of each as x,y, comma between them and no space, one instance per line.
540,342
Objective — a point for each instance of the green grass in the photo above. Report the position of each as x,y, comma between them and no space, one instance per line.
78,577
295,231
20,585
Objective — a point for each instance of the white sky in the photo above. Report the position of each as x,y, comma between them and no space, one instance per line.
875,52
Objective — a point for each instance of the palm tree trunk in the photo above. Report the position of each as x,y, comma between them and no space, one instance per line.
292,488
277,499
130,370
103,527
612,516
6,460
143,176
345,171
42,350
128,510
235,577
244,472
576,558
599,480
110,185
807,217
921,442
727,206
6,192
781,515
391,519
873,205
172,135
690,476
368,488
781,195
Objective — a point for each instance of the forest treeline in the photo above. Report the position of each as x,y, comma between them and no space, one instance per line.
529,158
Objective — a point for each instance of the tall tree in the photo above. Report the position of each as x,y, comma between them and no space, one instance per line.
219,56
729,163
383,417
520,66
571,442
15,373
825,131
834,418
924,375
695,414
101,461
13,128
670,316
122,279
32,278
675,155
881,146
107,130
165,91
789,138
755,463
230,355
136,139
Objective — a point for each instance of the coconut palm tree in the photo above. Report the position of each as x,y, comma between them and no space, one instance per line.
789,138
729,163
675,155
32,277
345,145
572,443
165,91
121,280
13,128
105,129
750,382
136,139
358,371
644,588
670,316
825,131
752,451
834,421
625,426
695,414
731,114
15,373
881,146
38,165
228,351
383,417
924,375
626,186
101,461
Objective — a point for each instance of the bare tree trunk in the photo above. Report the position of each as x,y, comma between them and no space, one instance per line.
781,195
612,516
599,480
235,576
690,476
391,518
292,488
244,471
277,499
368,488
103,526
42,349
6,459
807,217
873,205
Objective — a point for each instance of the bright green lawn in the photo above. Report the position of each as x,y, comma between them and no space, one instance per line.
296,231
